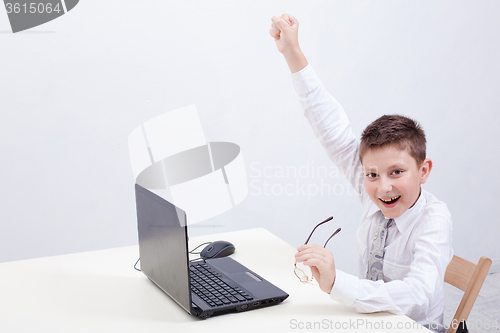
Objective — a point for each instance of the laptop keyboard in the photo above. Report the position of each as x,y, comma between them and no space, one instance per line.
207,284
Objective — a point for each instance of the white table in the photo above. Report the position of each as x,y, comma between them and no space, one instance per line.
100,291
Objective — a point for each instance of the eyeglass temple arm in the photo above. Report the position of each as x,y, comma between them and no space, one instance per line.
328,219
336,232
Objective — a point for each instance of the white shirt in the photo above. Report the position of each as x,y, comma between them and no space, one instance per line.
418,246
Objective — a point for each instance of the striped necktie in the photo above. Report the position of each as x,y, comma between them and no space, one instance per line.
376,259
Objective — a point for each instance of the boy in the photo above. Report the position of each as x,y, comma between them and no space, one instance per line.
404,238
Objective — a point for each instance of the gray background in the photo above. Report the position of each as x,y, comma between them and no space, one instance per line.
74,88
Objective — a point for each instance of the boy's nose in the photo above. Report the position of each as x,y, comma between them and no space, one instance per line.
385,185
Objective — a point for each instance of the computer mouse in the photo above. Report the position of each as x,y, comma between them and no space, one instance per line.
217,249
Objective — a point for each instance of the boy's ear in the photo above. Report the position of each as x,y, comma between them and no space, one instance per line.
425,170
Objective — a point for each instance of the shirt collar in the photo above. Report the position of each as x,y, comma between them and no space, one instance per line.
406,219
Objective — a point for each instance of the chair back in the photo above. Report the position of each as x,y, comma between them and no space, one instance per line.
469,278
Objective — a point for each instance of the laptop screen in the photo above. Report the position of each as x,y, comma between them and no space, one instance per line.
163,245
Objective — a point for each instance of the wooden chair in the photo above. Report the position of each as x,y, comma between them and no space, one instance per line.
469,278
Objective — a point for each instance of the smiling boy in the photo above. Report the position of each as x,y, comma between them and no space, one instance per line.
392,153
404,238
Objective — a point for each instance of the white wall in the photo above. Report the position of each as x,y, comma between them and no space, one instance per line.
73,89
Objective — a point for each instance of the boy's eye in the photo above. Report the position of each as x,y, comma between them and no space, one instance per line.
397,172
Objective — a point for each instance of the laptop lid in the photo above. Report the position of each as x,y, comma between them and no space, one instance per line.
162,232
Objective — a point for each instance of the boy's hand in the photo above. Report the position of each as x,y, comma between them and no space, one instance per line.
321,262
285,31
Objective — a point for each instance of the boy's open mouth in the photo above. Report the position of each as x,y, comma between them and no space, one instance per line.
391,200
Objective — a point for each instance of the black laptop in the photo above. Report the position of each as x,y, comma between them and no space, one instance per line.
203,288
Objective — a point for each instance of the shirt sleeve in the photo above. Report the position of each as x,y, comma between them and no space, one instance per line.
417,292
330,125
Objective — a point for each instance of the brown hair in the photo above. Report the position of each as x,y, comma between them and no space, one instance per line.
395,130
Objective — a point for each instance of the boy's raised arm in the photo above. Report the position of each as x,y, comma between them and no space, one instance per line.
326,116
285,30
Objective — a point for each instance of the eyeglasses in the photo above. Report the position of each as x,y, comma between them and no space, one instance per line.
303,277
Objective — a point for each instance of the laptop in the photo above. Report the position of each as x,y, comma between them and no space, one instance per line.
203,288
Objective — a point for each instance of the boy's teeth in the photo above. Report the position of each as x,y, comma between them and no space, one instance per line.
391,199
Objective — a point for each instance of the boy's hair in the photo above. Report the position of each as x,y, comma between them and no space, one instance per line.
395,130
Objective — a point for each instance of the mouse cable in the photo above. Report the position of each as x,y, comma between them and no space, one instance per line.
196,259
192,251
135,265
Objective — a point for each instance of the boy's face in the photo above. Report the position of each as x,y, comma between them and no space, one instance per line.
392,179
